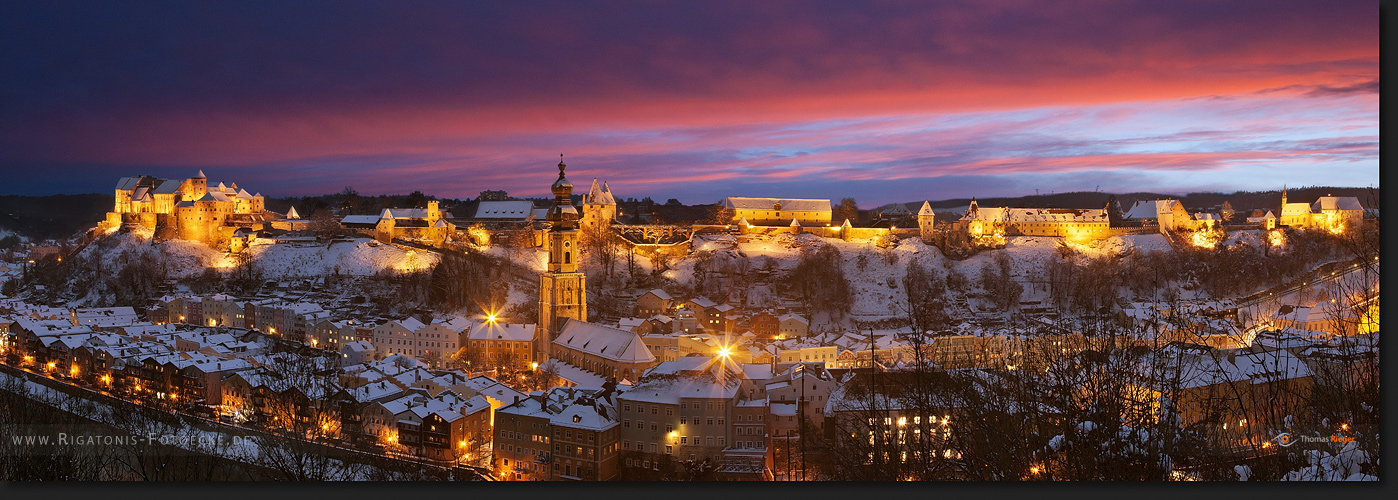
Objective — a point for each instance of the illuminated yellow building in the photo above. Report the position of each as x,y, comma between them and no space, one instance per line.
1060,222
192,208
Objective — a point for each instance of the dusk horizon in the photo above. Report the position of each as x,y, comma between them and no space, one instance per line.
882,103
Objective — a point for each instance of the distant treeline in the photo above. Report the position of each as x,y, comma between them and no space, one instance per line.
54,216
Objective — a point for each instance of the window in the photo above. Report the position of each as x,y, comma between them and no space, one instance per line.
683,421
720,420
709,440
669,412
654,410
654,427
669,449
626,443
684,439
721,439
627,406
710,421
669,428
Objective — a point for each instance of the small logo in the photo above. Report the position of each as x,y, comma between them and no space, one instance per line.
1284,439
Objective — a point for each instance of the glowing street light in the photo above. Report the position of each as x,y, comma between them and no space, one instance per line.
490,319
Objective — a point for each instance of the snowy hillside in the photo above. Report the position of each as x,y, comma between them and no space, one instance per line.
357,257
183,258
876,274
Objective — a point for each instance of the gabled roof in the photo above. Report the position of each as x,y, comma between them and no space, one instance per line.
606,342
403,213
791,204
517,209
360,219
1336,203
167,187
502,331
703,302
291,214
658,293
1295,209
926,209
128,183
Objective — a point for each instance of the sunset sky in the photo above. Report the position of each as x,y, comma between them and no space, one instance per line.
695,100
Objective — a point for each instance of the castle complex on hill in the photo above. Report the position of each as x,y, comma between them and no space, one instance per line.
190,208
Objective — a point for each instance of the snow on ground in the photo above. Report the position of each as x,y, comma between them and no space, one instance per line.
1252,237
877,283
530,258
185,258
355,257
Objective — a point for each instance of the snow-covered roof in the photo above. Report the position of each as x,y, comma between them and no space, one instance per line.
518,209
599,194
788,204
660,294
606,342
1336,203
403,213
360,219
591,415
502,331
127,183
926,209
1295,209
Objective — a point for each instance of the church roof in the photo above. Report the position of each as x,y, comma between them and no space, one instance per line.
606,342
799,205
1295,209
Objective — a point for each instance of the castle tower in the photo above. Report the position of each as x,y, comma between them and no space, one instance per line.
924,221
194,188
599,208
562,289
434,213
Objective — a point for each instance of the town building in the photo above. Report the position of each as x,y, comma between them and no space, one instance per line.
403,223
778,211
1058,222
498,344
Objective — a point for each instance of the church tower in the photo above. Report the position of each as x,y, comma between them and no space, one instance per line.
562,289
